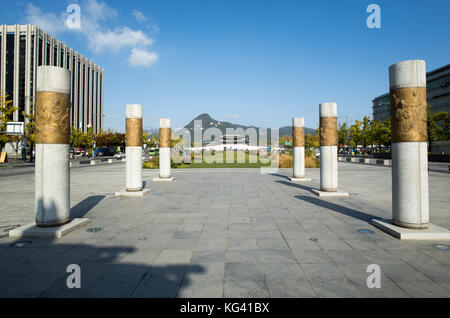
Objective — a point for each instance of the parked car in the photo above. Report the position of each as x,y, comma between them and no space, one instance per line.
153,151
119,155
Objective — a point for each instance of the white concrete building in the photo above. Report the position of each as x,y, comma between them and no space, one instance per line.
25,47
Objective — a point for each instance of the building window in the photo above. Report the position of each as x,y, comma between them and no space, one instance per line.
22,41
55,56
47,62
40,51
9,70
32,70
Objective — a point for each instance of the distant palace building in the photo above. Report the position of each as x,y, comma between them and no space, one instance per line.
438,95
25,47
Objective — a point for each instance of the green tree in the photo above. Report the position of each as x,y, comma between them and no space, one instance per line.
342,134
380,133
80,139
7,110
438,127
366,133
311,144
30,130
286,141
355,133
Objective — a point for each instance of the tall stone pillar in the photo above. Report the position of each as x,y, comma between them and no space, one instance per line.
52,176
328,151
133,148
407,81
409,136
164,150
298,136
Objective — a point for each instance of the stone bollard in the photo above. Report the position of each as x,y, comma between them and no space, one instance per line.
52,176
133,147
410,205
298,136
164,150
52,173
133,152
328,152
407,81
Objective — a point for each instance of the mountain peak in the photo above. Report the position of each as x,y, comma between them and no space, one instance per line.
203,116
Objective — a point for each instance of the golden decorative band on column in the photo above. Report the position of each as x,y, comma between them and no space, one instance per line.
133,133
328,131
164,137
409,114
298,136
52,118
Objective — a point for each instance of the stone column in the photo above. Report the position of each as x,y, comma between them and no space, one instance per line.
328,151
328,147
164,150
407,81
52,176
298,136
133,148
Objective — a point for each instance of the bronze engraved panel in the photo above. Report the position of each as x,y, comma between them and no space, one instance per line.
328,131
164,137
52,118
409,114
133,133
298,136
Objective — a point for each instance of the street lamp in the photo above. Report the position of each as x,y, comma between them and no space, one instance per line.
93,138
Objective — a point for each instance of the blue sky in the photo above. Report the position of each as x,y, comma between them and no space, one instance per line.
249,62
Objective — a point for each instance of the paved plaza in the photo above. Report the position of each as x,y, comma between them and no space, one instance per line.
223,233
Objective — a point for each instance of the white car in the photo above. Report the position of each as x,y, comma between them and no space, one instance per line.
119,155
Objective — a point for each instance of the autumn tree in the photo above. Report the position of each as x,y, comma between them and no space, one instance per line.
355,133
286,141
7,110
311,144
80,139
342,134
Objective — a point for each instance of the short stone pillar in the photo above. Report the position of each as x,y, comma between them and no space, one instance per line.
164,150
133,152
298,136
133,147
52,176
328,152
407,81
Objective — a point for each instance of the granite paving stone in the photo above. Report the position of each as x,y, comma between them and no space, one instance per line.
223,233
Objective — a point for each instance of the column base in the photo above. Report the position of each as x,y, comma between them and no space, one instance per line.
126,193
433,232
326,194
32,230
293,179
158,179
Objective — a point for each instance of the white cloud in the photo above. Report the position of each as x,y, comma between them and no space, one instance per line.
94,15
117,39
142,57
50,22
140,17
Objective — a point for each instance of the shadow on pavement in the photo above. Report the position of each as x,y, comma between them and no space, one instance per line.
295,185
83,207
280,175
338,208
35,267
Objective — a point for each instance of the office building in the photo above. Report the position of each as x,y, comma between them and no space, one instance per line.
25,47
